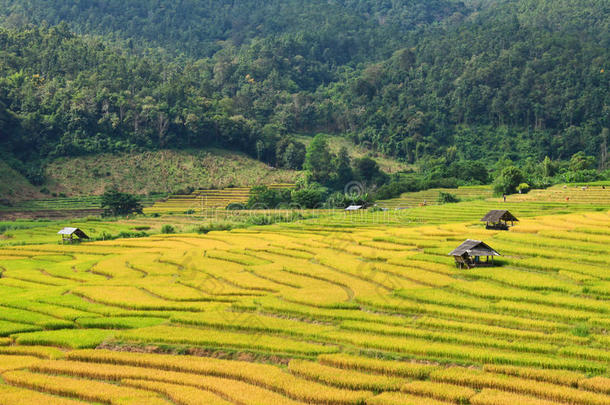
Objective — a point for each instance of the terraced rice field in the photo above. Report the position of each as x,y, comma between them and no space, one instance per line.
201,200
430,197
68,203
595,194
333,310
580,194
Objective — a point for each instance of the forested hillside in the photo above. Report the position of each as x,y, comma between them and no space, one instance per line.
410,78
519,77
344,29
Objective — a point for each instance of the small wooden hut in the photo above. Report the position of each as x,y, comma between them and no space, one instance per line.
68,234
354,208
499,219
470,252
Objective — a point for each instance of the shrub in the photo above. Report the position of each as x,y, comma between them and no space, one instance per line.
264,197
311,196
235,207
127,235
508,181
337,200
581,176
217,226
444,198
581,330
272,219
167,228
260,220
105,236
35,175
116,203
523,188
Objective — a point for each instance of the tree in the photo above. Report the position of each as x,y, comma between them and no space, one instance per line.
290,154
548,168
445,198
260,148
368,170
116,203
262,197
311,196
523,188
294,157
509,180
318,160
470,171
580,161
603,157
342,168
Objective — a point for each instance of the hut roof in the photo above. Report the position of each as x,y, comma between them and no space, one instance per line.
73,231
474,248
354,208
497,215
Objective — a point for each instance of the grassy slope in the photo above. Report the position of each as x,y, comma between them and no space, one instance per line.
14,186
160,171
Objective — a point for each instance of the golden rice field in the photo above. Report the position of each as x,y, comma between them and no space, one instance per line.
430,197
567,194
338,309
575,194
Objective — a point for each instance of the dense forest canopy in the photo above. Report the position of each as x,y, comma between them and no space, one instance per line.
413,79
201,28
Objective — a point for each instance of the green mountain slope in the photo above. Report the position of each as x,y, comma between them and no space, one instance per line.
523,78
344,29
409,78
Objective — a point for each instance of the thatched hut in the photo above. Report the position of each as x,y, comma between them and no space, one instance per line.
68,234
470,252
499,219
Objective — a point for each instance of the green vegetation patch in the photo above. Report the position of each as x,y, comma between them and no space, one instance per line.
8,328
70,338
126,322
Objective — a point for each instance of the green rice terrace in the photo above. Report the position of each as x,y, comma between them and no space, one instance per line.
337,308
206,199
430,197
330,307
